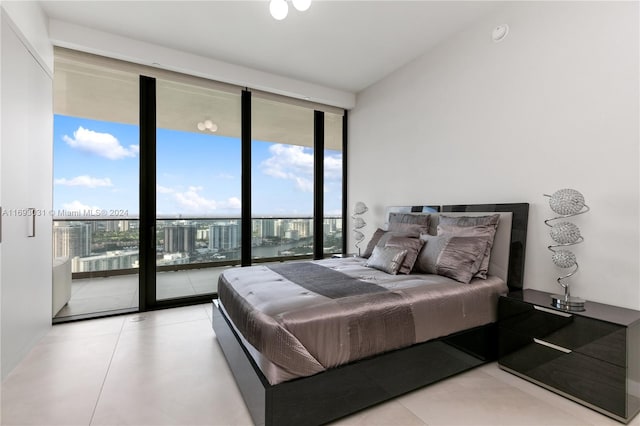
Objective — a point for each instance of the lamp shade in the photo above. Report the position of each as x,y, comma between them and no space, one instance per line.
358,236
566,201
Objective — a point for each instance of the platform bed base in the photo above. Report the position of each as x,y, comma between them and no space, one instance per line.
347,389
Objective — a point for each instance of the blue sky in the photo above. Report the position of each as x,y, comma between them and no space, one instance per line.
96,166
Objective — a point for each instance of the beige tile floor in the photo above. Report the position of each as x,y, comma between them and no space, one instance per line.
95,295
165,368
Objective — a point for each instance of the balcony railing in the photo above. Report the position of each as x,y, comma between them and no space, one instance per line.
106,246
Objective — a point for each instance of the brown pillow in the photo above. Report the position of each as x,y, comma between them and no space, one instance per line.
412,245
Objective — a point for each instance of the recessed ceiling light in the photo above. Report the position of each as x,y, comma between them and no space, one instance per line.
500,32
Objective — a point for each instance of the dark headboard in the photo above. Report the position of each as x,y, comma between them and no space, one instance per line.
518,243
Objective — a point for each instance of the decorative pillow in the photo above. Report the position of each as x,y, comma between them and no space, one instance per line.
412,229
461,258
375,238
470,220
412,245
387,259
411,218
428,256
471,226
451,256
380,238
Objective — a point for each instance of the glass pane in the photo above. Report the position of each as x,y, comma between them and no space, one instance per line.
95,193
332,238
198,192
282,180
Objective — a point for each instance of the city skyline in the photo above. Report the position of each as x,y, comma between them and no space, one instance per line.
96,169
97,244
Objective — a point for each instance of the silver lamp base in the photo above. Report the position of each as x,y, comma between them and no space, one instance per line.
567,303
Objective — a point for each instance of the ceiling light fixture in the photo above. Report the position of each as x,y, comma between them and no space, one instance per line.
280,8
207,125
301,5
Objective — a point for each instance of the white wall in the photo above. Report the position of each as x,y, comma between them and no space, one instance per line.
554,105
25,181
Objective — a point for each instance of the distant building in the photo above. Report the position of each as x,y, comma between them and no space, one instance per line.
71,239
106,262
180,238
224,236
301,228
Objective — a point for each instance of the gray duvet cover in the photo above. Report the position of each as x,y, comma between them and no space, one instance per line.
306,317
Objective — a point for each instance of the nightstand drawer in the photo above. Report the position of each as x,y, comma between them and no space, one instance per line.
597,339
589,356
590,380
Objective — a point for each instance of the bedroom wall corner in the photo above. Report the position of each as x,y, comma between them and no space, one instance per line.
553,105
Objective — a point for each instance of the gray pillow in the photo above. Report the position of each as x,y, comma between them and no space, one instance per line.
380,238
470,220
387,259
451,256
375,238
471,226
428,256
412,245
411,218
411,229
461,258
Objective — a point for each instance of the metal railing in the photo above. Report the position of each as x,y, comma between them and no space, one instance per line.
109,246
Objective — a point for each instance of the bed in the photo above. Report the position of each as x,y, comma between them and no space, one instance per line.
294,334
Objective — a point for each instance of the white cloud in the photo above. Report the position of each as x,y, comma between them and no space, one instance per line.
84,180
333,167
102,144
192,201
231,203
79,206
290,162
293,163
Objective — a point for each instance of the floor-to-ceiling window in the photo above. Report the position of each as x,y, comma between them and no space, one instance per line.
281,180
333,182
137,143
198,185
95,193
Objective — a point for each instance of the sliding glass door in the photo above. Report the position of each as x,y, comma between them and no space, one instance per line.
198,191
282,180
163,180
95,193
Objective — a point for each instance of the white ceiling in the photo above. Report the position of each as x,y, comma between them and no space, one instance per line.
345,45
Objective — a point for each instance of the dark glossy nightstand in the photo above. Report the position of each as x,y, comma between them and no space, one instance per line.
592,357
